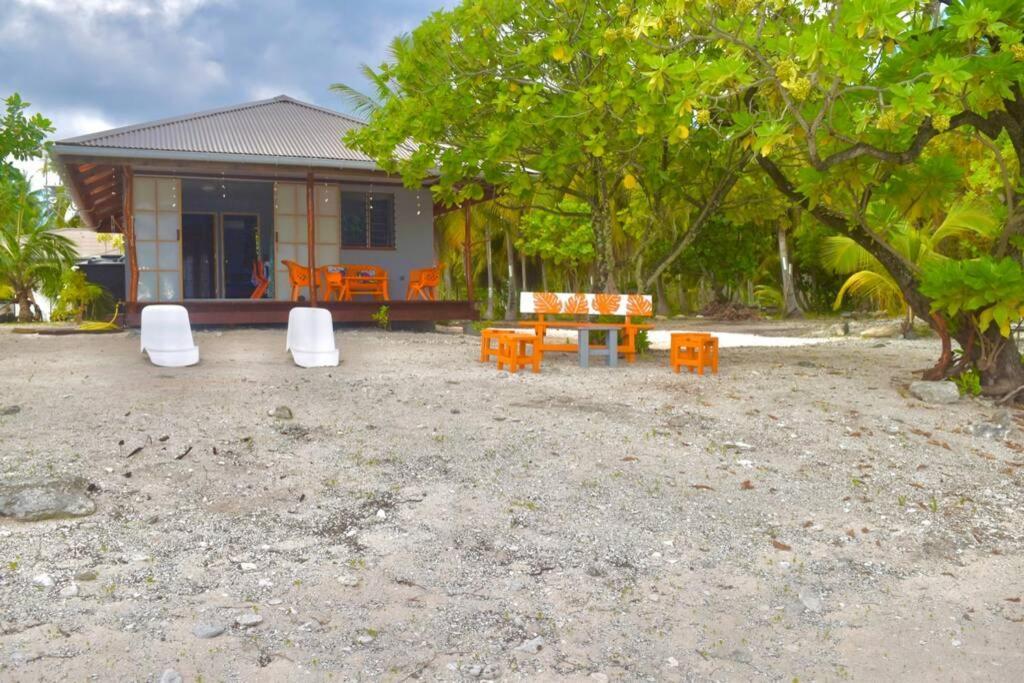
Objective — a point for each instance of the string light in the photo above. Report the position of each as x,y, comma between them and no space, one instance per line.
418,209
371,196
223,187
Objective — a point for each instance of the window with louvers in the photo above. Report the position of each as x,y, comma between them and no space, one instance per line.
367,223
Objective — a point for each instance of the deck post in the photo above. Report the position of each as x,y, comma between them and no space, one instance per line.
467,247
127,179
311,237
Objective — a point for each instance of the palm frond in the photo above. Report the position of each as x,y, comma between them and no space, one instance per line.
967,220
841,255
361,104
877,287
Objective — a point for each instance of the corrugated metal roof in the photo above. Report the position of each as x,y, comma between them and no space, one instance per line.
278,127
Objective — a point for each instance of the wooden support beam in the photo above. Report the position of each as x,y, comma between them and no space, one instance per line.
94,178
129,236
311,238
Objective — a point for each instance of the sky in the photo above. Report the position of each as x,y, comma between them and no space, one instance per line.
90,65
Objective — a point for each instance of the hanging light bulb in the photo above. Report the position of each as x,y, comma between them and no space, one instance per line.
418,208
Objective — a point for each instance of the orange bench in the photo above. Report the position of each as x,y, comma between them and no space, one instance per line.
628,306
694,350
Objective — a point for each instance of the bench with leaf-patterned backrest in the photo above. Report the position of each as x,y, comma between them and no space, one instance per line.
546,304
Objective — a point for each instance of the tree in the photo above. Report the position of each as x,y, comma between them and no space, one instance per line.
32,257
580,99
21,137
845,95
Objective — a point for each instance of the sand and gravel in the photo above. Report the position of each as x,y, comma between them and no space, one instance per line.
423,516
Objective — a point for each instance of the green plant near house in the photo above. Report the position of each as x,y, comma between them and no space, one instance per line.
80,299
383,318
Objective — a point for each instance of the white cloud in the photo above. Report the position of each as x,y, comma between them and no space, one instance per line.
171,12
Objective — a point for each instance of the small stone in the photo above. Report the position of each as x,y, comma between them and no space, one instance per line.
170,676
672,662
349,580
810,599
163,438
381,514
738,445
532,646
69,591
281,413
247,566
998,428
599,677
491,671
364,639
265,583
207,631
86,575
42,581
248,619
935,392
10,410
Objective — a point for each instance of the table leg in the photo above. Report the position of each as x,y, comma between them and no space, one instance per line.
613,348
583,343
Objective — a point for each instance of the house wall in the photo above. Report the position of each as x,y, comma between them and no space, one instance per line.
414,227
414,237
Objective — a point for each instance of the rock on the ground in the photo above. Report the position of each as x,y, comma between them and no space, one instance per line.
10,410
42,581
281,413
997,428
935,392
206,631
532,646
881,332
86,575
35,500
170,676
69,591
810,599
248,619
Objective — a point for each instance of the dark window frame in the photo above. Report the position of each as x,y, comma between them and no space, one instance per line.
368,243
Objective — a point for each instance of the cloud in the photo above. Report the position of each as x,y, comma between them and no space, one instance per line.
87,63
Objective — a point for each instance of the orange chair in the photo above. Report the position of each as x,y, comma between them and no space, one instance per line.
331,279
259,280
696,351
423,283
298,274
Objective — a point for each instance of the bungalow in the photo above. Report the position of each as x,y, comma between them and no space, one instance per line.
212,206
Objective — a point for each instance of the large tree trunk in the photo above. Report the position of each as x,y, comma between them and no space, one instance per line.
24,306
511,309
661,300
790,306
605,274
489,312
997,359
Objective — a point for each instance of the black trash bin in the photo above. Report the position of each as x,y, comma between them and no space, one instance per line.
107,271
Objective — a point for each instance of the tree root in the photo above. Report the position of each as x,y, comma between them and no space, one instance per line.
1018,392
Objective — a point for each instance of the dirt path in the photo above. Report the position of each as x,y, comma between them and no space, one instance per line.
424,516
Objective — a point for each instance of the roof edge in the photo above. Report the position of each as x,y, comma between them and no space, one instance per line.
78,139
71,149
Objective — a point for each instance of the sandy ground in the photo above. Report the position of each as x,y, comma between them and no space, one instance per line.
424,516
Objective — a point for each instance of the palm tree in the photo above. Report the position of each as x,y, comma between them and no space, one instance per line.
32,257
919,246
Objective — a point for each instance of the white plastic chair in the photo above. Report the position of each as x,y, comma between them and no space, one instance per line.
167,336
311,338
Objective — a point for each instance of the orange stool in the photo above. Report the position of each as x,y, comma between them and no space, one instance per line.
487,335
696,351
512,352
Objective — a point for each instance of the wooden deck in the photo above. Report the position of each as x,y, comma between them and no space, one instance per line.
267,312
